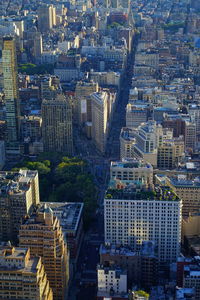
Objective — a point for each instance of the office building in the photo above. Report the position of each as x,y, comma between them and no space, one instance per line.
22,277
149,264
125,258
19,195
46,17
100,120
191,278
37,46
187,190
170,153
31,128
2,154
127,140
70,215
132,170
190,136
185,294
50,87
136,114
83,105
11,95
42,233
57,125
148,137
141,266
133,214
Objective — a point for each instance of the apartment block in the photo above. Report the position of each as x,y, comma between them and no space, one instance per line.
22,277
18,190
42,233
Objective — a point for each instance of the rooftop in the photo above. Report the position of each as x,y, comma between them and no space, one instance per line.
127,190
185,293
15,182
116,250
181,181
130,163
68,213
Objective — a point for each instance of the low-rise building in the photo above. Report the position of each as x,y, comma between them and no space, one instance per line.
112,281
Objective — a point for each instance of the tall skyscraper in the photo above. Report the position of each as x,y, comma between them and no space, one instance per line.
100,120
82,107
22,277
134,214
42,233
11,95
19,194
57,125
37,46
46,17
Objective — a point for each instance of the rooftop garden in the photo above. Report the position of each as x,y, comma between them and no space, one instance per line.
130,193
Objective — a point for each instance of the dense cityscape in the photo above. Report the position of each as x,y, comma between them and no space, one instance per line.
100,149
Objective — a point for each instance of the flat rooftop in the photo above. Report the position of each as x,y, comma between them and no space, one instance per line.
68,213
182,182
15,182
116,250
130,164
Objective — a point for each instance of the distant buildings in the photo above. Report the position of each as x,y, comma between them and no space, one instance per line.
22,277
57,125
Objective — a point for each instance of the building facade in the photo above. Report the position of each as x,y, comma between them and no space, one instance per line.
132,170
57,125
22,277
11,95
100,120
18,190
43,235
133,214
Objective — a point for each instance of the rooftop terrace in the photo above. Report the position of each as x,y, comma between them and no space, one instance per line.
126,190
